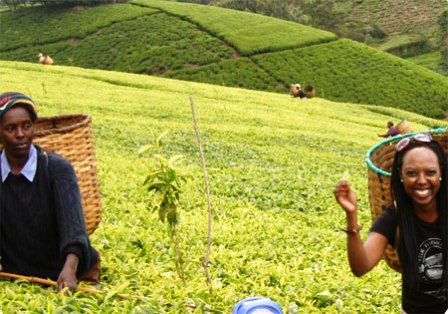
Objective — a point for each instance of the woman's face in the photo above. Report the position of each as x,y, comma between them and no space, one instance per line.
421,176
17,132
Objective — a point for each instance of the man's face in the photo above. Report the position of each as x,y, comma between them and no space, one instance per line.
17,132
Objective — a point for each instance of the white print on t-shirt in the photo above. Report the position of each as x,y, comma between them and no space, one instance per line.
430,260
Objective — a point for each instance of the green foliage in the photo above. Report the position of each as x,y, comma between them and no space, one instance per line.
377,32
442,20
167,43
248,33
14,4
166,183
37,25
444,57
409,49
191,42
241,73
433,61
354,18
272,162
380,79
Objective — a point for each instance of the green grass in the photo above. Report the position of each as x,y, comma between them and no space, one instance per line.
272,162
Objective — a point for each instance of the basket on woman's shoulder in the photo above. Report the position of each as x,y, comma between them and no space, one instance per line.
71,137
379,160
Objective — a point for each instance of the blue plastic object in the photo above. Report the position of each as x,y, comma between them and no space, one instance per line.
257,305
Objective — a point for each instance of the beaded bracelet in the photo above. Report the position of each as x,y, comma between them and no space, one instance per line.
352,231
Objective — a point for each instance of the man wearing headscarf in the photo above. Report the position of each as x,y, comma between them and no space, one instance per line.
42,227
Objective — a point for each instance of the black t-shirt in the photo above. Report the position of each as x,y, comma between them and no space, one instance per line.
426,296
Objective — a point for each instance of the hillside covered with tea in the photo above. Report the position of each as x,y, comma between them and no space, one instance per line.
272,163
222,47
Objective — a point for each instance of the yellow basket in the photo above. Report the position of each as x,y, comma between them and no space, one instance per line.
379,160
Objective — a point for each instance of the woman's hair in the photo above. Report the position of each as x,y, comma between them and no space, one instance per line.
407,249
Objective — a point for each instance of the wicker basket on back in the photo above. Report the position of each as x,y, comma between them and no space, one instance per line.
404,127
71,137
379,160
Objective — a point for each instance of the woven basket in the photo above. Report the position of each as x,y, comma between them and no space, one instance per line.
379,160
71,137
404,127
310,92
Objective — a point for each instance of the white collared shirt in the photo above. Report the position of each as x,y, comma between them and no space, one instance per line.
28,171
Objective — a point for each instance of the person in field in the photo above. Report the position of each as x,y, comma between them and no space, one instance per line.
420,212
42,227
296,91
391,130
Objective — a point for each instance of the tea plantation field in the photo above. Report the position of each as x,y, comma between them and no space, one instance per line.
223,47
272,163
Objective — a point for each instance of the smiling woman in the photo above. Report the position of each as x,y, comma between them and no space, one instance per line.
419,211
380,160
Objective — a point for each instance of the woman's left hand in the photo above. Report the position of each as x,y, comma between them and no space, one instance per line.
67,277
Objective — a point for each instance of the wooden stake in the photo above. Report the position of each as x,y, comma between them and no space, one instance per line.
47,282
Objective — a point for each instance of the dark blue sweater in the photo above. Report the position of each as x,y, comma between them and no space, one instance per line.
42,221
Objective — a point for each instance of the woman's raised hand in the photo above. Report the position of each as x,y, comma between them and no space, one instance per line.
345,197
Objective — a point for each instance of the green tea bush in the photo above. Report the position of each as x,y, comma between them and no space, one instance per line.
200,43
348,71
272,162
249,33
241,72
38,25
167,43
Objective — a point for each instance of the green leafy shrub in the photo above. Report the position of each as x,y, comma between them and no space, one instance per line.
165,182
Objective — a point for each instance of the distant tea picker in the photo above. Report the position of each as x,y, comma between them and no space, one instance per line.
296,91
45,59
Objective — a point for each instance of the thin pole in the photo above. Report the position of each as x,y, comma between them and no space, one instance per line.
205,263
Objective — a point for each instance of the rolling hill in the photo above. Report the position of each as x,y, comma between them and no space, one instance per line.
223,47
272,163
406,28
